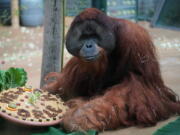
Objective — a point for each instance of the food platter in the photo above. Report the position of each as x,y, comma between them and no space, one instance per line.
33,107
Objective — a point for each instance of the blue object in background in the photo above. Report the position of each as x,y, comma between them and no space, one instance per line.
31,12
5,12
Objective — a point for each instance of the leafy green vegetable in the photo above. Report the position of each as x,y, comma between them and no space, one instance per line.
33,97
37,94
13,77
2,80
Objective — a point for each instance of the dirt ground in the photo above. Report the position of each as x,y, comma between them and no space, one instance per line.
23,48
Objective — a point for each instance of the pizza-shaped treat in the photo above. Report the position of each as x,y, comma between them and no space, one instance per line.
29,106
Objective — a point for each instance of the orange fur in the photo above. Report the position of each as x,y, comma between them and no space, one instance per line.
122,89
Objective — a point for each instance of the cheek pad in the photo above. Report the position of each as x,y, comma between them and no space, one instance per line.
73,47
107,42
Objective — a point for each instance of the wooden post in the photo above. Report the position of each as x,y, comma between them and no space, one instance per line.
53,38
15,13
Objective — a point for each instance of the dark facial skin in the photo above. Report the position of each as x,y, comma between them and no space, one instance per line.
90,50
87,39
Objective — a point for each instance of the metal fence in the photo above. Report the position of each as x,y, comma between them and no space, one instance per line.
122,9
146,9
74,7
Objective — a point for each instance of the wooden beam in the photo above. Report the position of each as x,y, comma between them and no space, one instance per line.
53,38
15,13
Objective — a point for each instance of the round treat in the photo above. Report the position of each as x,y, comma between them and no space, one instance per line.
33,107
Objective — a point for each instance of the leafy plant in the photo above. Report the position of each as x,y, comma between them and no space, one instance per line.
33,97
13,77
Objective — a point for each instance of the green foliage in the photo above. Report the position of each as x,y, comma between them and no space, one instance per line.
11,78
33,97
